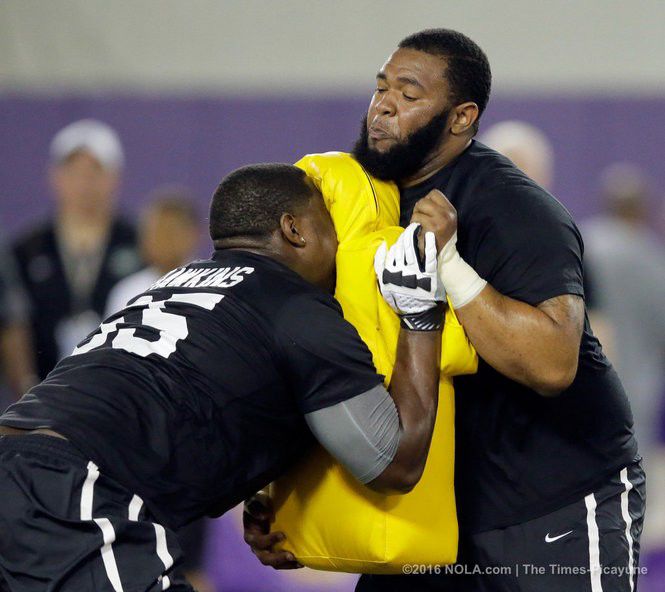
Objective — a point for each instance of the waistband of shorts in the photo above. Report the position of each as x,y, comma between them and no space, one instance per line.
44,444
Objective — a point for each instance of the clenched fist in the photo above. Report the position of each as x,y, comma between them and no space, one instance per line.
435,214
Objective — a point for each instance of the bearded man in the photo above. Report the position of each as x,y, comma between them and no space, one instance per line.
549,484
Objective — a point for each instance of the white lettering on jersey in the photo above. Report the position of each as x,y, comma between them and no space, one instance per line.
233,278
183,277
172,326
193,283
209,281
161,282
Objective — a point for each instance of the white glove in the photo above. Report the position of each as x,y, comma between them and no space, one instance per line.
409,290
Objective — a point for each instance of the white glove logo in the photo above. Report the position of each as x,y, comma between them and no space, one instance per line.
405,286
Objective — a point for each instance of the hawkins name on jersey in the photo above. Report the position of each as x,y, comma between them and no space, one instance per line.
220,277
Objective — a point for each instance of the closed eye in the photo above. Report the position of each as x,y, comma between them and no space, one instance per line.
408,98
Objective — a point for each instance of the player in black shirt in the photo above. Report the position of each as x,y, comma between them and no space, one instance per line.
549,484
203,390
547,469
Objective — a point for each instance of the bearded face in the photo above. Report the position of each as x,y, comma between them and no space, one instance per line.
404,158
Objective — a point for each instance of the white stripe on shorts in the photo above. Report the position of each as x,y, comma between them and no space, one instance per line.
594,543
108,532
107,552
160,537
135,508
163,553
87,492
623,475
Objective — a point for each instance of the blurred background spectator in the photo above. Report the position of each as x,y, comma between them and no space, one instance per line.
243,84
15,344
526,145
69,263
627,261
169,234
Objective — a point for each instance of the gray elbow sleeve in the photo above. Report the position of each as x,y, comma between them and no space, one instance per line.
362,433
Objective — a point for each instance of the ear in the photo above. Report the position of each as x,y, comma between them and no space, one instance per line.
465,116
290,231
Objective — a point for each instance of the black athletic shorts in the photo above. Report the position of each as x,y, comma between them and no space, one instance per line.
65,526
592,545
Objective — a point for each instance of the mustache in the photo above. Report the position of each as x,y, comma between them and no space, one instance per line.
405,158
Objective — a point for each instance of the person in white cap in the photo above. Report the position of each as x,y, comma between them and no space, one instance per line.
69,263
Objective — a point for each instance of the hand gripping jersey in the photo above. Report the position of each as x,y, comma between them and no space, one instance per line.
331,521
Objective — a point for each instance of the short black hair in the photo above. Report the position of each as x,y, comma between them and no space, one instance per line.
467,67
251,200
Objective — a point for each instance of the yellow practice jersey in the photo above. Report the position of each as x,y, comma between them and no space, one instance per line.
331,521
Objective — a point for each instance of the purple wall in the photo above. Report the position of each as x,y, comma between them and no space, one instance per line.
195,141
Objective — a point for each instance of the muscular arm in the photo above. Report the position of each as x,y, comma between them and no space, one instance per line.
415,390
382,440
331,372
535,346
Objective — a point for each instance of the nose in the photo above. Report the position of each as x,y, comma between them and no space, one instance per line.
386,104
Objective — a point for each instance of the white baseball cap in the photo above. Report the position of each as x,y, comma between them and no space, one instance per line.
90,135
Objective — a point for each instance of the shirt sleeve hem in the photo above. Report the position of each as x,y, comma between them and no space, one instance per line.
344,394
535,298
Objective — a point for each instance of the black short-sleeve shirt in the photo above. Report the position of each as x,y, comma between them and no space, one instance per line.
193,396
520,455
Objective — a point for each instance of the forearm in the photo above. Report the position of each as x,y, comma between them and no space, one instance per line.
415,390
521,341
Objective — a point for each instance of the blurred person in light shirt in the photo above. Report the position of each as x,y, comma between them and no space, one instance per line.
68,263
628,262
169,235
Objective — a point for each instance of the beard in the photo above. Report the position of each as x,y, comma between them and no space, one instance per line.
404,159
